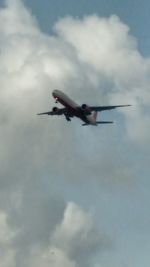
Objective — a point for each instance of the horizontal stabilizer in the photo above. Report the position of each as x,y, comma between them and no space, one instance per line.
85,124
97,122
101,122
45,113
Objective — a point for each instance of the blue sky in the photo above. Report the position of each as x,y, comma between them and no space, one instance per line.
134,13
69,195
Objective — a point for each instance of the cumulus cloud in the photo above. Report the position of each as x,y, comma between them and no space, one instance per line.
76,235
107,47
74,241
95,60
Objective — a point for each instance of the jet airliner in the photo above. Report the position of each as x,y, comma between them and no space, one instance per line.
88,114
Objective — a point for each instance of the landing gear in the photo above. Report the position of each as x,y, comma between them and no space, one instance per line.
67,115
56,100
67,118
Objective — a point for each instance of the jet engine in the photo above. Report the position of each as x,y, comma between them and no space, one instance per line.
86,109
55,109
84,106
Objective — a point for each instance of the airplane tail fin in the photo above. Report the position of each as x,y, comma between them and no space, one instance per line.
94,115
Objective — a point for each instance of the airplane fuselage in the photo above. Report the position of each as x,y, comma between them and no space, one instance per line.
85,115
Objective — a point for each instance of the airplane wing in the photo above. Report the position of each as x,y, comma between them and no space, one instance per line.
59,111
101,108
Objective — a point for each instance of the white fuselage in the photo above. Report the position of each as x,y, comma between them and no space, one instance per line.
75,109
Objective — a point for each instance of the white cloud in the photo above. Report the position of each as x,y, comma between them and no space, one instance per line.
7,253
76,235
106,45
16,19
80,58
5,232
74,242
52,257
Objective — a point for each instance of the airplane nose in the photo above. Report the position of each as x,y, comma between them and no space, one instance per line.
54,93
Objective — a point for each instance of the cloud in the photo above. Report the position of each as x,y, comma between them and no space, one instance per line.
74,241
95,60
76,235
105,44
6,236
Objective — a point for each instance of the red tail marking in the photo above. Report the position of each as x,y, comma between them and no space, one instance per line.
95,115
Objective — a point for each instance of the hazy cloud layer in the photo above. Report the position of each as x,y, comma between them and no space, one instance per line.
95,60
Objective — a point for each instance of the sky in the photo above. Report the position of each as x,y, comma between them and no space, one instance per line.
69,195
134,13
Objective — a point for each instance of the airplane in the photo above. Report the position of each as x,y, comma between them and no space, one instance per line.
88,114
